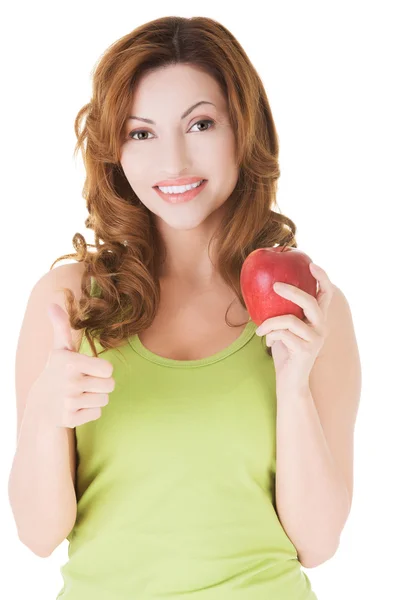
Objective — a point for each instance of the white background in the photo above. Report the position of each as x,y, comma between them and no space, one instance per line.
330,71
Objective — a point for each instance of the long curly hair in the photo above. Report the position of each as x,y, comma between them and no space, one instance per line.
128,248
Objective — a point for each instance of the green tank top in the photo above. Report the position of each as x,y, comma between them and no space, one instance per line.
176,482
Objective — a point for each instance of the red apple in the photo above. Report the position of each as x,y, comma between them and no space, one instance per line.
262,268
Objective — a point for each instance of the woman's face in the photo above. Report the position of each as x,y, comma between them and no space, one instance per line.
175,147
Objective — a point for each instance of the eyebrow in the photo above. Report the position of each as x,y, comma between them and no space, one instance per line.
185,114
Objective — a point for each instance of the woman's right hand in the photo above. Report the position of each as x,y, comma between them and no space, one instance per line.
73,387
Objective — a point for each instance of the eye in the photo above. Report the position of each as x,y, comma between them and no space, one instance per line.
212,123
132,133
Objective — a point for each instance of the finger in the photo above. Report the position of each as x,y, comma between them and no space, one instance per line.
292,341
308,303
62,337
289,322
326,287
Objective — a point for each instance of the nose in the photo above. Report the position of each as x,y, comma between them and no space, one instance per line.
174,157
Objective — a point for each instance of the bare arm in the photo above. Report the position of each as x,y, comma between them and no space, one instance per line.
315,433
41,488
311,495
41,482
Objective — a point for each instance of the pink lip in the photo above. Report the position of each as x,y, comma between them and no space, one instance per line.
183,181
185,197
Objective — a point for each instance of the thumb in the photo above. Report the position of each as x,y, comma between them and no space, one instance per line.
62,338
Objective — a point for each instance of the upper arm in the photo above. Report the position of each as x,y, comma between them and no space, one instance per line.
335,384
35,339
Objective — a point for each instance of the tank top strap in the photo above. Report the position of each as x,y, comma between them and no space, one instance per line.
95,289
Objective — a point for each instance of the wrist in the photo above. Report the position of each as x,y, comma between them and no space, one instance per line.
38,410
293,391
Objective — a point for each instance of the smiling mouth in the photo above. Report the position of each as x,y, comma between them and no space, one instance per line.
201,182
176,198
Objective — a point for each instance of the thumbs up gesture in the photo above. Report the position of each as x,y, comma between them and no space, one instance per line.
72,387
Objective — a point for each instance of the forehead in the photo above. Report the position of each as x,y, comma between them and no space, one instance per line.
176,86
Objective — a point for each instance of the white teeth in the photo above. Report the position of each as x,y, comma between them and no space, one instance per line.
179,189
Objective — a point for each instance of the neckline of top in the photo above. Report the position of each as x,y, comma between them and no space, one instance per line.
244,337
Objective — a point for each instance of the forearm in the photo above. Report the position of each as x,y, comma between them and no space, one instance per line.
311,496
40,488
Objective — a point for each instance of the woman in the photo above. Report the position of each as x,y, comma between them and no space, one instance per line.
179,483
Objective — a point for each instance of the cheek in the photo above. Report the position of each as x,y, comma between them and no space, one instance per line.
134,169
221,159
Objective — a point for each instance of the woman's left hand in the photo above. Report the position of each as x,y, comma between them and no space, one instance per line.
296,343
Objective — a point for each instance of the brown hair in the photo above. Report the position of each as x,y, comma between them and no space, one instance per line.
125,265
